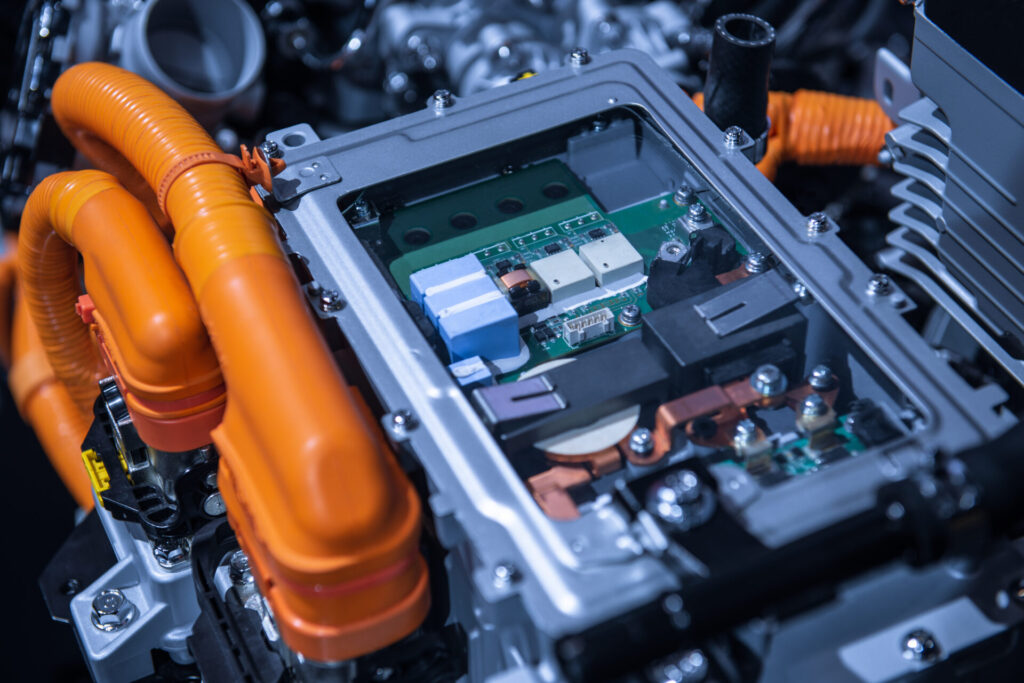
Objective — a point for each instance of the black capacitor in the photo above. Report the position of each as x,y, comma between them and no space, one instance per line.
736,92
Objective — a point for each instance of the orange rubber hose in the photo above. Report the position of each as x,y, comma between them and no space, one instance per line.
818,128
47,406
329,521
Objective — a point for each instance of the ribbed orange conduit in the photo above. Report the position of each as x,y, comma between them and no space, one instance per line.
151,334
46,405
329,521
818,128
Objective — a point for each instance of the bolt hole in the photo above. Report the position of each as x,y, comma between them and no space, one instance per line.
294,139
70,587
510,205
555,190
463,221
887,91
416,236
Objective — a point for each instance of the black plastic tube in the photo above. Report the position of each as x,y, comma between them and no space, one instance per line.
736,92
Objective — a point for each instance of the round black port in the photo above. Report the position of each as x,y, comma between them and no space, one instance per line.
416,236
555,190
463,221
746,29
510,205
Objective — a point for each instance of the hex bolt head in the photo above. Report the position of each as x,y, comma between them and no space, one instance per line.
579,56
402,421
270,149
734,137
330,301
879,285
239,569
442,99
692,667
680,499
111,610
641,441
768,381
631,315
817,223
756,262
813,406
684,196
745,433
920,646
170,553
821,378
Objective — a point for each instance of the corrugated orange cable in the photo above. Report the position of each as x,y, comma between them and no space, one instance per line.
46,405
818,128
330,522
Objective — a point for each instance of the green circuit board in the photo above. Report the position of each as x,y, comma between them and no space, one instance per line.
523,217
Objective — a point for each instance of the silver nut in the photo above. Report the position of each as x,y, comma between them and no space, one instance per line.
330,301
920,645
111,610
879,285
768,381
813,406
170,553
756,262
505,574
734,137
817,223
641,441
673,251
745,433
578,56
442,99
821,378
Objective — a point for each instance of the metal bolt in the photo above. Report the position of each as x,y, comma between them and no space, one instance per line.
402,421
746,433
768,380
239,569
210,481
756,262
813,406
442,99
920,645
362,209
821,378
800,289
170,553
213,505
817,223
505,573
879,285
270,149
734,137
684,196
330,300
681,500
631,315
692,667
578,56
641,441
697,212
111,610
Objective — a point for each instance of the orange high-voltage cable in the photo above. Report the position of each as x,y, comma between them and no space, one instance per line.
150,335
819,128
329,520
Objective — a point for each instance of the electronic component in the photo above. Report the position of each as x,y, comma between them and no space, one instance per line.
472,315
524,292
564,274
472,372
612,258
588,327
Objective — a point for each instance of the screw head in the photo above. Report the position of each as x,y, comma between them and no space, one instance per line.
170,553
402,421
630,315
821,378
213,505
270,149
734,137
579,56
673,251
813,406
442,99
111,610
681,500
769,381
239,569
879,285
920,645
641,441
817,223
684,196
756,262
505,574
330,301
745,433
